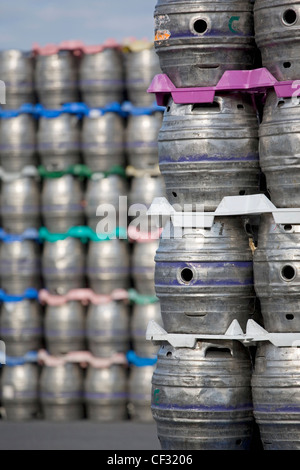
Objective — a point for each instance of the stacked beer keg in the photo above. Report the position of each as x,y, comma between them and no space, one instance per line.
201,396
71,297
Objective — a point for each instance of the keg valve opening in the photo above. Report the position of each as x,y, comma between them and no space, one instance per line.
289,17
187,275
200,26
288,273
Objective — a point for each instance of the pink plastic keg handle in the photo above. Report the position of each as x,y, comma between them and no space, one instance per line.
253,81
85,296
75,46
143,237
83,358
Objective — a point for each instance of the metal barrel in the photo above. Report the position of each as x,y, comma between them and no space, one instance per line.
18,142
141,66
17,73
61,392
21,327
278,149
204,277
20,266
105,392
140,318
103,203
141,137
201,398
64,328
275,391
209,150
277,35
103,140
62,203
20,204
20,392
197,41
139,393
143,266
108,266
56,79
58,141
275,265
107,329
101,77
63,265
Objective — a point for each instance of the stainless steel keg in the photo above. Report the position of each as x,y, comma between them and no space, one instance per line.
63,265
17,72
143,266
201,398
140,318
107,328
277,35
56,79
101,77
105,392
58,141
61,392
275,392
197,41
18,142
62,203
20,204
20,266
209,150
103,140
204,277
139,393
20,385
21,326
64,328
108,265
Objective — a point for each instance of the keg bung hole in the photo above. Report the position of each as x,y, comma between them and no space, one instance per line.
288,227
169,354
200,26
288,273
187,275
289,316
289,17
174,194
287,65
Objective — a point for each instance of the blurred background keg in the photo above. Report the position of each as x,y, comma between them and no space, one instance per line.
17,72
197,42
277,35
56,78
143,266
275,391
61,392
204,277
108,265
107,328
62,203
141,136
63,265
105,392
20,204
278,149
139,393
276,281
140,318
58,140
20,386
209,150
20,266
103,140
21,326
105,192
201,398
64,328
101,77
18,141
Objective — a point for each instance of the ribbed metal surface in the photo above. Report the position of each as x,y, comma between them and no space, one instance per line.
201,398
277,34
143,266
61,392
139,393
105,392
275,391
204,278
210,150
197,41
140,318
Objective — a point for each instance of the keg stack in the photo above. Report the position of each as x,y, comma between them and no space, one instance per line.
85,136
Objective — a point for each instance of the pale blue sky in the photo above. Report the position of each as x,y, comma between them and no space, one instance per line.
23,22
